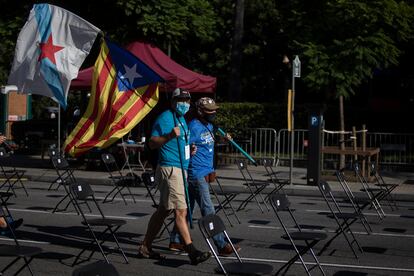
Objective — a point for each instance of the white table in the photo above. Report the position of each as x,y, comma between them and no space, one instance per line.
138,147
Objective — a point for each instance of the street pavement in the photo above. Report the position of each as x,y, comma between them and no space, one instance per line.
388,250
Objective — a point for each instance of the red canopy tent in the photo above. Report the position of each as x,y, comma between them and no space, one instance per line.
173,73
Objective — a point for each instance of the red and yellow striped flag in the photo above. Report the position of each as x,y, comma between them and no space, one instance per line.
124,90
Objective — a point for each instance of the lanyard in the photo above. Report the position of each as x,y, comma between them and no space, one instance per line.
182,126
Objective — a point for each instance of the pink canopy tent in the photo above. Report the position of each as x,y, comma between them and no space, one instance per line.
173,73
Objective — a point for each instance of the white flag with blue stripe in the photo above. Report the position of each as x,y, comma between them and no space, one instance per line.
50,49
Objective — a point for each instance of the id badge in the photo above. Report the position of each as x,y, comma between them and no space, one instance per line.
187,152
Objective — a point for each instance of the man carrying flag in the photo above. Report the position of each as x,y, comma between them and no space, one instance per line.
50,49
124,90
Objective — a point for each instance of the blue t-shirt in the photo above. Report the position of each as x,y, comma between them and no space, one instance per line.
168,154
201,163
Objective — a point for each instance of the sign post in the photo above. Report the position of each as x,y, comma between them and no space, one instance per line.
296,70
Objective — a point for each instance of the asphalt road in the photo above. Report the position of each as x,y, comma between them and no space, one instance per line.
389,250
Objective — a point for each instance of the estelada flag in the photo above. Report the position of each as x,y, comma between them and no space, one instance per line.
124,90
50,49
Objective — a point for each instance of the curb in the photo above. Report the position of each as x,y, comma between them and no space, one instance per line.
296,190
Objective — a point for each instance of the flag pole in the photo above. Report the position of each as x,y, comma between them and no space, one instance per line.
58,142
222,132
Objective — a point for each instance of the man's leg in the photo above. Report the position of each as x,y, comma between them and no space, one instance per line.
182,226
195,255
207,208
154,227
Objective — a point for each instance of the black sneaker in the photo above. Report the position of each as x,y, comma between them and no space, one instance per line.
198,257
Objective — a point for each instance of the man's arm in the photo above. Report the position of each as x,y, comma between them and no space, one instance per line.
156,142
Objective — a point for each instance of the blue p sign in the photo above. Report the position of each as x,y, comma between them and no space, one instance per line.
314,121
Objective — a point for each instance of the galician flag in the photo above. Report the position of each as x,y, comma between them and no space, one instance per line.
50,49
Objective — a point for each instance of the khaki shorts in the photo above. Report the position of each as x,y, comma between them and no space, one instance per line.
171,186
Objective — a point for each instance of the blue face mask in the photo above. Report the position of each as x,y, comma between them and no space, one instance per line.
182,108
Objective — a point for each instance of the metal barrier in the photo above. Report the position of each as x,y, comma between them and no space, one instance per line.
300,145
396,149
259,143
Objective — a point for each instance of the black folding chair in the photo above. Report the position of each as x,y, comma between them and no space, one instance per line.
66,177
118,179
280,202
343,219
374,194
82,192
276,181
11,176
148,178
64,174
386,188
224,197
99,268
358,204
253,186
212,225
26,253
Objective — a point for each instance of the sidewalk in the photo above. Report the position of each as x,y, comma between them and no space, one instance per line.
41,171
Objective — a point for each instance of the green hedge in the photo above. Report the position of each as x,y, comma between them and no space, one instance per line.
236,117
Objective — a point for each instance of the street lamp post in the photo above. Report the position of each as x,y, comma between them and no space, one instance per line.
296,71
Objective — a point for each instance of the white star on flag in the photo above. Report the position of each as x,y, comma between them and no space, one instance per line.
131,74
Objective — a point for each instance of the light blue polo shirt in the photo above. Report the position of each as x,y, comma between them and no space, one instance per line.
168,154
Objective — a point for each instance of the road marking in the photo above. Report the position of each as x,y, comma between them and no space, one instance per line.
367,214
334,231
127,199
14,179
330,264
24,241
70,213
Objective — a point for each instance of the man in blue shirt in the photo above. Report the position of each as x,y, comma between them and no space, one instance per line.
171,136
200,168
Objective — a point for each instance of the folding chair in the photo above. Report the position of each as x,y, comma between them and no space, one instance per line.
82,191
277,182
65,174
227,194
66,177
27,253
254,187
343,219
358,204
386,188
150,185
119,181
148,178
11,176
212,225
99,268
280,202
374,194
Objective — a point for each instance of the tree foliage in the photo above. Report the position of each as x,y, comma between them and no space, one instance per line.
342,42
165,21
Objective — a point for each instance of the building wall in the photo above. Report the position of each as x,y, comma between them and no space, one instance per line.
16,111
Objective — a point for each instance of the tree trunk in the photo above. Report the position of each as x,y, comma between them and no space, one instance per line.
342,135
236,53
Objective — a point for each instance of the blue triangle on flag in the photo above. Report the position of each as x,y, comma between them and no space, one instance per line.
131,72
